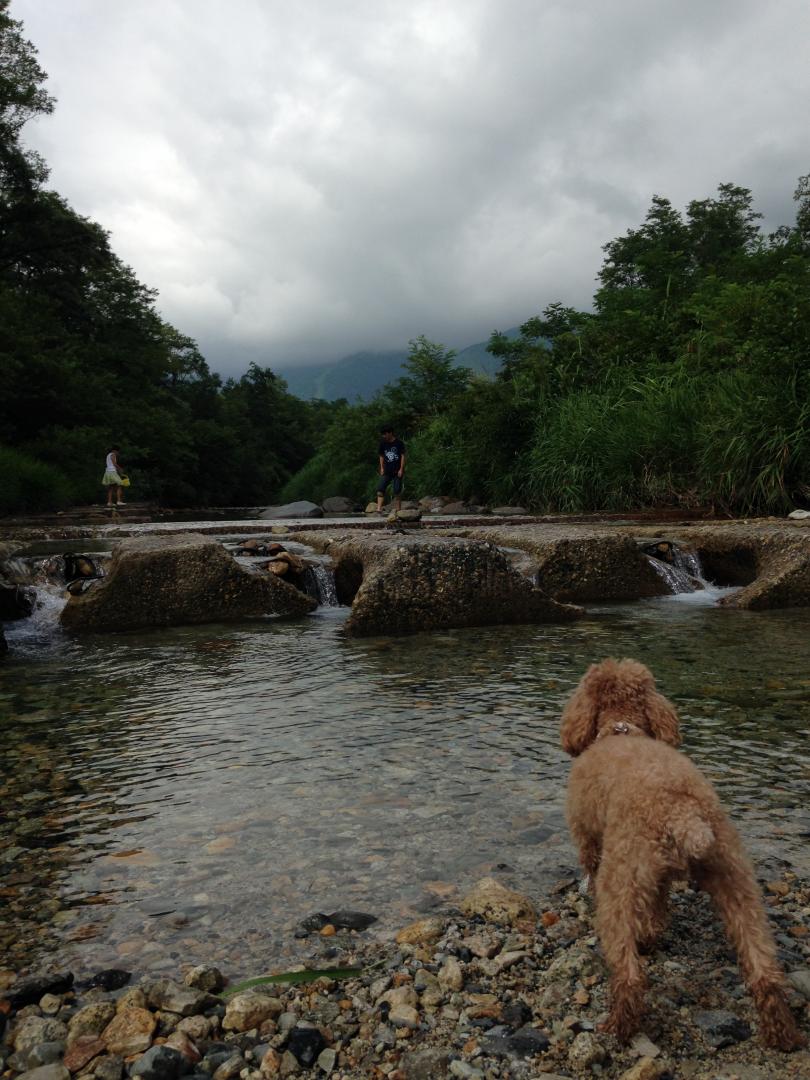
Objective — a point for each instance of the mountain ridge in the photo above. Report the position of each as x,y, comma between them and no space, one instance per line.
359,375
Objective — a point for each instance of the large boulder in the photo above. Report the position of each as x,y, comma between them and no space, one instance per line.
338,504
409,583
782,573
302,509
577,564
177,580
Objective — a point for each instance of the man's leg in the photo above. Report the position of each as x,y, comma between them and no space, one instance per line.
381,486
398,492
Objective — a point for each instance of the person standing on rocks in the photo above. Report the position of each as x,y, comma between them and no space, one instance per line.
113,479
392,466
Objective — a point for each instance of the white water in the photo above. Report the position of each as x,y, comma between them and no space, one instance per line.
686,581
324,582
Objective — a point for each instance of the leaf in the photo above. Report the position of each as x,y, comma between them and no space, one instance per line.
293,977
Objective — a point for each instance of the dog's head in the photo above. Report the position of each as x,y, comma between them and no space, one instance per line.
612,693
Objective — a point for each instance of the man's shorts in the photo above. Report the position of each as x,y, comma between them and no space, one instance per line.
386,480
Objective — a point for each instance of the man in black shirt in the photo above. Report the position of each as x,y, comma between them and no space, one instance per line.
392,467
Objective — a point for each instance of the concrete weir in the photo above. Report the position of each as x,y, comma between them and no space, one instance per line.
404,584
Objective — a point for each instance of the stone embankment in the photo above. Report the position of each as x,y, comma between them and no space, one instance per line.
175,581
502,988
406,583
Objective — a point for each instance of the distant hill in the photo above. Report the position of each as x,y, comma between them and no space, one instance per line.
362,374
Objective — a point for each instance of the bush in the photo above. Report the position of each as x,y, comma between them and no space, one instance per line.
27,484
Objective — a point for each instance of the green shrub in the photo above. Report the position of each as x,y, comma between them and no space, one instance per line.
27,484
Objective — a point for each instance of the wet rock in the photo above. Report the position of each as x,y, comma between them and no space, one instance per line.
169,996
300,509
409,583
180,1041
90,1020
159,1063
133,998
351,920
44,1053
305,1044
110,979
721,1028
456,509
177,580
130,1032
422,932
229,1068
56,1071
249,1009
38,1029
110,1067
800,980
50,1004
581,565
29,990
510,511
83,1050
496,903
209,979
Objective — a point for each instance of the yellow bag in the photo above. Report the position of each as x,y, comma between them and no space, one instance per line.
124,480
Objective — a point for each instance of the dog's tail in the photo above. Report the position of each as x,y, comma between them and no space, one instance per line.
691,834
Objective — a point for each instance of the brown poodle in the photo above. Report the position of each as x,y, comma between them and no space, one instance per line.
642,816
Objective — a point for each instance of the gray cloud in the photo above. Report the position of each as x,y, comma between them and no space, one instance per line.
303,180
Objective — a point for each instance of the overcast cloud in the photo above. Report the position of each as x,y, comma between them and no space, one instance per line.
306,178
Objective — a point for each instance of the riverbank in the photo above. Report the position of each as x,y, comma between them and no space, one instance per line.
503,986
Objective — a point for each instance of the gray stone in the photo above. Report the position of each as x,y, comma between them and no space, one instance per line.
456,509
56,1071
526,1042
510,511
91,1020
301,509
425,1064
109,1067
44,1053
174,581
415,582
205,978
585,1051
230,1068
338,504
327,1059
169,996
38,1029
800,980
464,1070
721,1028
159,1063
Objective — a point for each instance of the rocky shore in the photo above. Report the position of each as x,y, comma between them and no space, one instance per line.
500,987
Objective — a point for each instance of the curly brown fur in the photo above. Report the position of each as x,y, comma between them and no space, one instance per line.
642,815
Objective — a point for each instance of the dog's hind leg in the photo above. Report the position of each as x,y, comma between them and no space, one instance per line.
627,912
730,881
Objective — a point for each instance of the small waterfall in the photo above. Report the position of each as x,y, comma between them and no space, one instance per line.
681,570
46,580
319,582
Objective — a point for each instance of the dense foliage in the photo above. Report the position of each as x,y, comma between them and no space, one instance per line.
86,360
688,384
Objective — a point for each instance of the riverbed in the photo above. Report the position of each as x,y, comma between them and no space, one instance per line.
194,793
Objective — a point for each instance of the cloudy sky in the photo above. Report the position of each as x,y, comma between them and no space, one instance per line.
306,178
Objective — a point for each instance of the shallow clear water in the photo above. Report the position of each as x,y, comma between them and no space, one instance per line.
193,793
